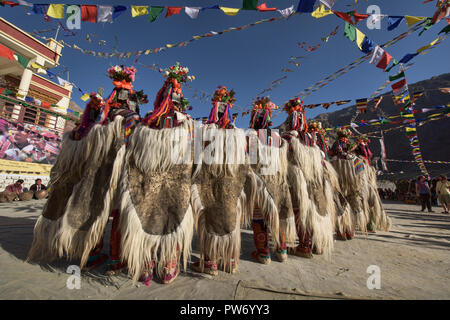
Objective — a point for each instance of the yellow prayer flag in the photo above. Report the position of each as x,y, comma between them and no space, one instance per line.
84,97
359,38
137,11
230,11
321,12
410,129
428,46
197,37
56,11
408,116
413,20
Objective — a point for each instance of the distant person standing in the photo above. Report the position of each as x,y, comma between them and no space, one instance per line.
424,193
443,192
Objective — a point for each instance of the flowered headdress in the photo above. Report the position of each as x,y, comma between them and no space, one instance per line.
363,139
170,97
316,126
177,72
344,134
294,105
296,113
222,102
223,95
262,112
122,76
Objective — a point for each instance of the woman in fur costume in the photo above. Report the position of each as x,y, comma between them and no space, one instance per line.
156,215
362,149
318,137
310,187
272,205
342,146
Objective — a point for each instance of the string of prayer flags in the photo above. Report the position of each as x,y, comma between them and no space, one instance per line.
410,20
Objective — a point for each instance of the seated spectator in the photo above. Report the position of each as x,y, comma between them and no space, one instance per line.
15,188
40,190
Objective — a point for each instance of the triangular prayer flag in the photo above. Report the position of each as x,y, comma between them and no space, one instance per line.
445,30
118,10
263,8
105,14
350,31
359,16
249,4
155,11
377,55
394,63
410,21
408,57
56,11
137,11
306,6
89,13
321,12
328,3
85,97
428,46
359,38
394,21
39,9
343,16
172,11
192,12
286,13
230,11
367,45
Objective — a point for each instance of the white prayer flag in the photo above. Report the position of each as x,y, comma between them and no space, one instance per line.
328,3
105,13
287,12
377,55
25,3
353,125
192,12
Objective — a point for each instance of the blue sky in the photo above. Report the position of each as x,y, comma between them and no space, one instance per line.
246,60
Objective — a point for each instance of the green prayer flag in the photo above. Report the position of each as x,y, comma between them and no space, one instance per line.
154,12
249,4
446,29
350,32
427,26
22,60
397,76
394,63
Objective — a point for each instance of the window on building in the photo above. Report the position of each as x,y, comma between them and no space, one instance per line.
7,110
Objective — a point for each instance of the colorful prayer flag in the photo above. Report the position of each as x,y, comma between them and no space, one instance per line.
155,11
137,11
172,11
321,12
89,13
306,6
230,11
249,4
56,11
105,14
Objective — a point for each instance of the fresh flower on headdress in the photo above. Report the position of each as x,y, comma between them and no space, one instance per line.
177,72
264,103
121,73
363,139
294,104
343,133
223,95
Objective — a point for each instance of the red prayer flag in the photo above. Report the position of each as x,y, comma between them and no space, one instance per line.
89,13
45,104
359,17
173,10
6,53
343,16
10,3
384,61
263,7
398,85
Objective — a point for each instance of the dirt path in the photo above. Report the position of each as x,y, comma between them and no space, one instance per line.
414,260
